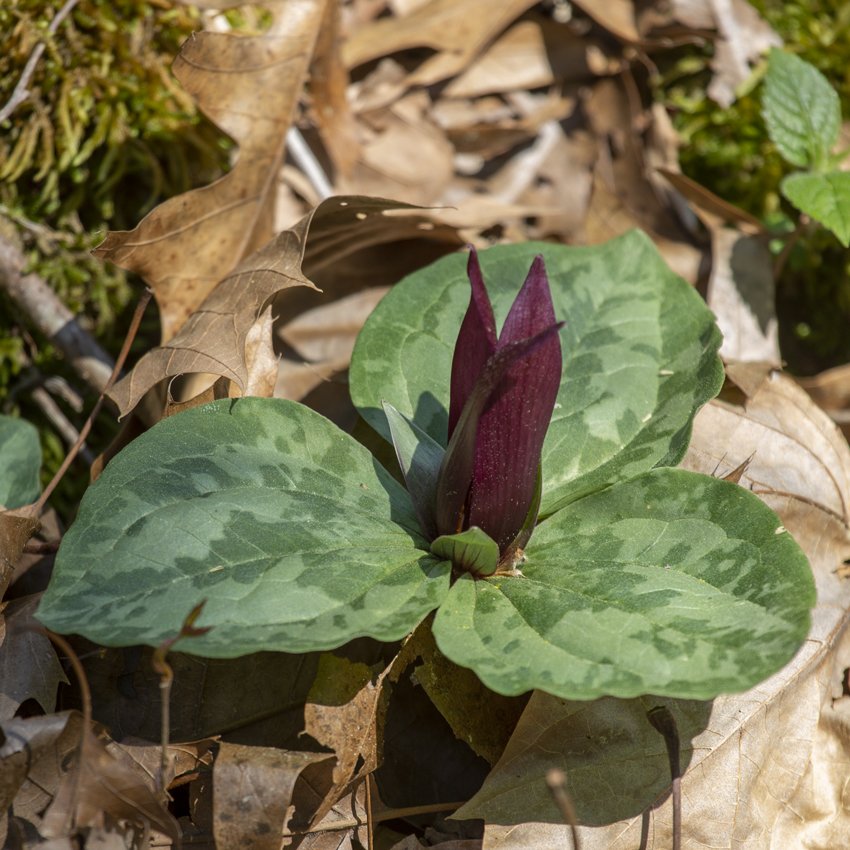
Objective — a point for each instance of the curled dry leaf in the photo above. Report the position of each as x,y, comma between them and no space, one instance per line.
16,528
254,789
249,87
831,390
29,666
214,337
764,768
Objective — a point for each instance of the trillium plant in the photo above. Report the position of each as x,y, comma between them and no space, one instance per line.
537,398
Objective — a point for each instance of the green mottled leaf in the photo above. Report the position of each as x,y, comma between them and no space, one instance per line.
472,550
20,462
639,352
672,583
419,457
824,197
294,535
801,110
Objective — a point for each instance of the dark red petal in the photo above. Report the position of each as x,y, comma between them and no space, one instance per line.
476,341
455,477
513,426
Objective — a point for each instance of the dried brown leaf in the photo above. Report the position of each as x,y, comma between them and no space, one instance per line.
249,86
831,390
40,747
616,16
213,339
328,89
342,714
253,791
29,666
16,528
99,790
456,29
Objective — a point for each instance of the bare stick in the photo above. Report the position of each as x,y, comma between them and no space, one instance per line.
166,678
21,92
557,781
84,431
663,721
52,318
307,162
60,422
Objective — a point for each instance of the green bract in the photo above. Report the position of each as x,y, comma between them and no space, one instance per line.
638,578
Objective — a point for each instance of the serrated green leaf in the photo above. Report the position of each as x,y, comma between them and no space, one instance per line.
20,462
419,457
472,550
294,535
672,583
824,197
801,110
639,351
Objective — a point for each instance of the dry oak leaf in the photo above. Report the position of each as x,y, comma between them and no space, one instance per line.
29,666
249,86
765,769
457,29
214,338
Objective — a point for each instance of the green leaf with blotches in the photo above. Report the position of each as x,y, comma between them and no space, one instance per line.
297,539
472,550
823,197
20,462
639,347
672,583
801,110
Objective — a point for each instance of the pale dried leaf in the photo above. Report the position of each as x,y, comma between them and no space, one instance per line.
261,362
29,666
831,390
328,332
328,85
42,745
616,16
456,29
741,293
248,86
253,790
744,36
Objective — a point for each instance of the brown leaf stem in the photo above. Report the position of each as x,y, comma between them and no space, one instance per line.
557,781
84,431
664,723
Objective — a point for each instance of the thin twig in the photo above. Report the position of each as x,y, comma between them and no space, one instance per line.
84,431
307,162
64,427
45,310
41,547
21,92
166,679
663,721
557,781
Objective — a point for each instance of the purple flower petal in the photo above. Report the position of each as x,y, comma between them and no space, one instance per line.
512,427
475,342
456,472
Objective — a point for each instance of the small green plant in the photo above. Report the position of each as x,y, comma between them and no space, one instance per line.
803,116
540,520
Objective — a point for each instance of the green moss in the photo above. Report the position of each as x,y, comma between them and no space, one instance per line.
728,150
106,134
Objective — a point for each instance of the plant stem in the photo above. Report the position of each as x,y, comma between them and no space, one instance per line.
557,781
663,721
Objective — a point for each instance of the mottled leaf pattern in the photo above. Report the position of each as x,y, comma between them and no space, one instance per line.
639,350
294,535
671,584
20,462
